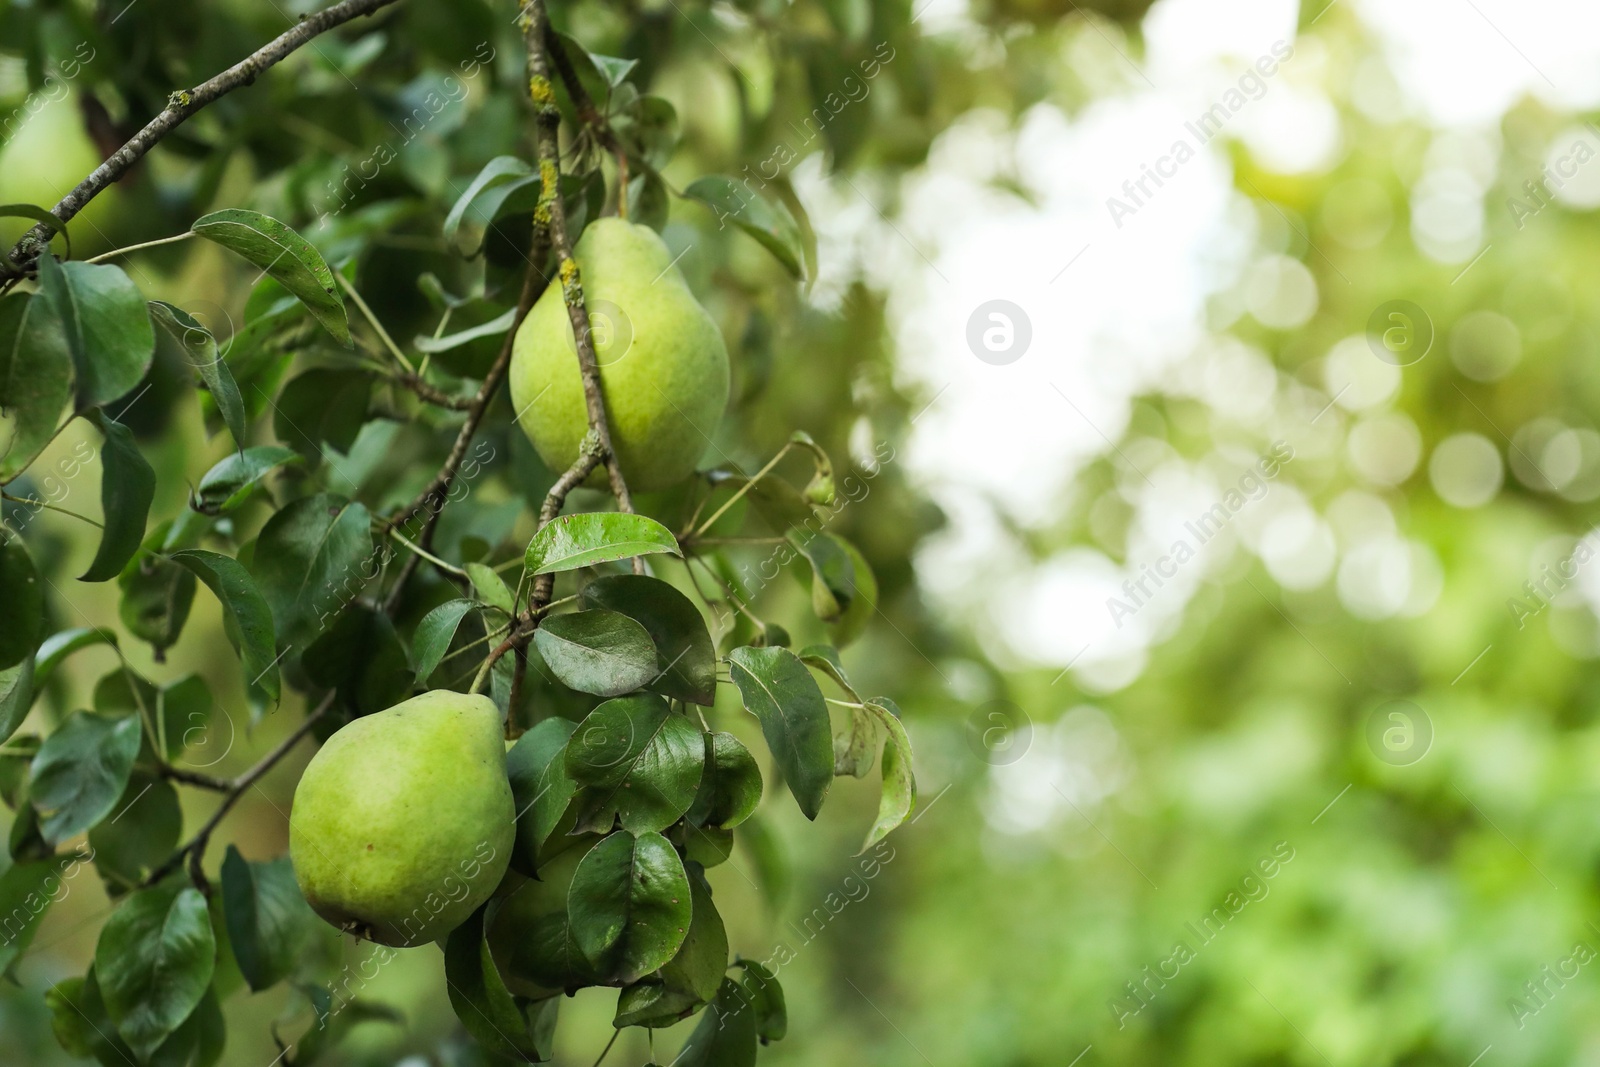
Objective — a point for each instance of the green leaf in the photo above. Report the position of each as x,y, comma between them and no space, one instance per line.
853,751
649,1003
863,602
310,561
629,905
765,997
650,129
84,1027
899,784
173,710
708,847
768,221
636,760
698,966
363,658
480,998
140,835
184,530
105,324
325,405
59,646
81,770
269,923
550,802
286,256
583,540
725,1035
201,350
74,1030
730,791
434,634
833,574
685,658
154,960
25,841
649,203
22,593
16,696
183,711
825,658
156,594
550,957
198,1042
583,64
498,178
495,327
14,761
35,379
227,485
526,764
127,486
490,588
597,651
779,691
612,69
250,630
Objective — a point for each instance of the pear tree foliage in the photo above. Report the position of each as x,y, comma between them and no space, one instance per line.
372,524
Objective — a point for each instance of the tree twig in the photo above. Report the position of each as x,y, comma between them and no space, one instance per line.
432,393
433,497
536,29
195,847
181,105
188,777
590,116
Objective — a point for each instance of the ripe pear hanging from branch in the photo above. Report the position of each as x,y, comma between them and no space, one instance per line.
663,364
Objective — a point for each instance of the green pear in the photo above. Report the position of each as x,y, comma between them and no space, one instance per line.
403,821
663,366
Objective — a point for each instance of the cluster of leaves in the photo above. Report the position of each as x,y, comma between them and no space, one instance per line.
621,777
642,800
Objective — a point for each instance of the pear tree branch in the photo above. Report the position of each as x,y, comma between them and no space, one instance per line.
590,116
432,394
181,105
536,30
195,847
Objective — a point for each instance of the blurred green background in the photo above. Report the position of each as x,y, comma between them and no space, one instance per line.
1350,687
